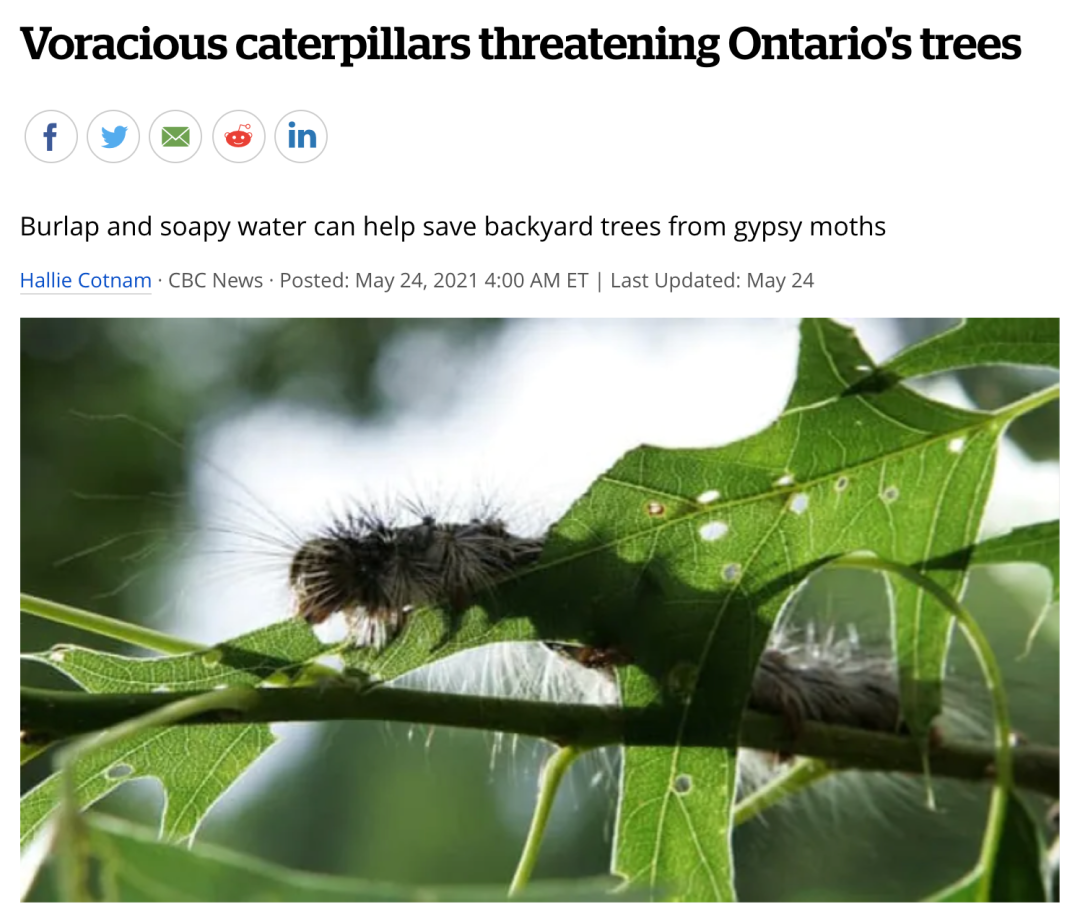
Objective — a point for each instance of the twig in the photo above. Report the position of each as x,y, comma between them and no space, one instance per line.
53,715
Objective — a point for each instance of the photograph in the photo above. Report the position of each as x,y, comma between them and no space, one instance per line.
552,609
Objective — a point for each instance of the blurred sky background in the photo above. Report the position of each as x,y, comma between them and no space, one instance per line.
272,426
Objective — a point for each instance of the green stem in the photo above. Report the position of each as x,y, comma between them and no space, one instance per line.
136,635
554,769
133,634
1003,753
1030,403
29,751
50,715
72,844
803,775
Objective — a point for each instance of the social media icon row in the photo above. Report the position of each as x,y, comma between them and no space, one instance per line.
175,136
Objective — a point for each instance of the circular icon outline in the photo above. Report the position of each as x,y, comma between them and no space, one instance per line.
75,131
90,127
177,111
326,135
217,125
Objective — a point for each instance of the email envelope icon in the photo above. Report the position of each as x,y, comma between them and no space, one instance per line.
175,136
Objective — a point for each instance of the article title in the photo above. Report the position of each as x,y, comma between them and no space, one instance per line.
381,43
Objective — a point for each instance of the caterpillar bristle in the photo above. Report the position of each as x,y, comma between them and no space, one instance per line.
829,681
375,572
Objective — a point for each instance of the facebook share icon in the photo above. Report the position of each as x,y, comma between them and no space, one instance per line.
51,136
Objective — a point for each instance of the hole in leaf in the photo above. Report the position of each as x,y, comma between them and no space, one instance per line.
709,496
119,771
891,494
732,572
799,503
683,784
160,689
956,446
713,531
682,680
655,508
785,480
211,658
58,656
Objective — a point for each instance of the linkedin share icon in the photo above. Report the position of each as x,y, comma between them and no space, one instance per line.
300,136
51,136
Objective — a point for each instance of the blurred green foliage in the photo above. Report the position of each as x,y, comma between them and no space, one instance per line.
391,803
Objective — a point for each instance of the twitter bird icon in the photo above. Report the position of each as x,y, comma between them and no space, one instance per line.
113,138
111,143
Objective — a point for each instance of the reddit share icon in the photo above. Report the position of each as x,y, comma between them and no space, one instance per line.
239,136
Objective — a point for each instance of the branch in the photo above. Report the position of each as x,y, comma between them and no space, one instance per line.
48,716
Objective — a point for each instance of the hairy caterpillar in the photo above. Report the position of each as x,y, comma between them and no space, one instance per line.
375,573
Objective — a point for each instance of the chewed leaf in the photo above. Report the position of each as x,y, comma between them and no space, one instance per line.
195,764
979,341
690,586
1031,544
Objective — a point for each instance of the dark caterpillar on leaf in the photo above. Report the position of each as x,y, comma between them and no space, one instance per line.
375,573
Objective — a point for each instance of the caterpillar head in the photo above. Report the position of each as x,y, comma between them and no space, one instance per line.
372,574
320,579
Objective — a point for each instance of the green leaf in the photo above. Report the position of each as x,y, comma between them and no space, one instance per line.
685,557
979,341
1032,544
435,633
195,765
1020,869
134,866
247,660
